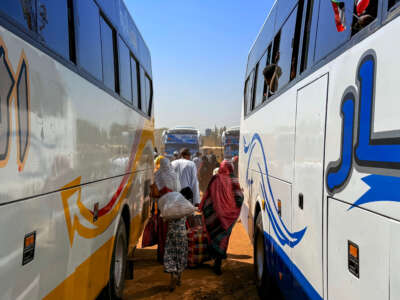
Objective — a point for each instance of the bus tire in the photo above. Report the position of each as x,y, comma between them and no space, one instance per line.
262,278
115,288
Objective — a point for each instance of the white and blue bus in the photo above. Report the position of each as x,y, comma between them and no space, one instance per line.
320,150
179,137
230,142
76,147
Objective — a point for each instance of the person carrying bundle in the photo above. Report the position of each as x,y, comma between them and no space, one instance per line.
174,208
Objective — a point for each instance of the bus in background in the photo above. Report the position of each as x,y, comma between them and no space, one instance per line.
181,137
320,150
230,142
76,147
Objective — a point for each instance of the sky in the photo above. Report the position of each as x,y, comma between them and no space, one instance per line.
199,52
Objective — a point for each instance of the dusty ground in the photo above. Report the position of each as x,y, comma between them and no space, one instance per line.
237,282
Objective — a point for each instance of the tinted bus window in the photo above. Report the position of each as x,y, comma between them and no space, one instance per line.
88,34
149,94
52,23
296,40
124,71
363,19
283,57
393,3
259,97
107,42
306,36
328,37
248,92
143,90
21,11
135,83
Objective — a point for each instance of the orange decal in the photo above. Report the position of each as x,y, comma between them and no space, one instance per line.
88,279
104,221
15,86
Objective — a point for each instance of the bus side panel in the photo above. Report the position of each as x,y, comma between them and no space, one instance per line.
369,234
72,253
75,129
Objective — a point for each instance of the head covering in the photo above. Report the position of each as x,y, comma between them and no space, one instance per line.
166,177
157,161
226,195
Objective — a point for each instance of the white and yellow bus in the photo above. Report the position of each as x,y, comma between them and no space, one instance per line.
76,147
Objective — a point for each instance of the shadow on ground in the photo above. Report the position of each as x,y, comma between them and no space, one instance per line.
151,282
236,282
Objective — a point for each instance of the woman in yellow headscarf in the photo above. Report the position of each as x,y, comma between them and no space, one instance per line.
157,162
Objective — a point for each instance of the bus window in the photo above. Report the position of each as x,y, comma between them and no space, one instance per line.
328,36
393,3
108,55
125,85
296,41
306,36
149,95
88,35
363,19
282,54
248,92
135,83
259,93
53,27
143,90
21,11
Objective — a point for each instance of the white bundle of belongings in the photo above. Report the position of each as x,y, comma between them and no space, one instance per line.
174,206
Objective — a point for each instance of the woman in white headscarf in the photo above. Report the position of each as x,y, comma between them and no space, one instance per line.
175,237
166,178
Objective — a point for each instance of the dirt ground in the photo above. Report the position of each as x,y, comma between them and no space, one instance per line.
236,282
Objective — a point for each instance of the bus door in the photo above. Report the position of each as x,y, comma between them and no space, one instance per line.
308,187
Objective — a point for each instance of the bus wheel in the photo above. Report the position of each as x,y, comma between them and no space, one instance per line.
263,282
115,287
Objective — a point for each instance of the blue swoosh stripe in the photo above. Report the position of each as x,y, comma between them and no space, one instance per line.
297,274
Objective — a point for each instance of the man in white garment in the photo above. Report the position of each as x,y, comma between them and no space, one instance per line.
187,174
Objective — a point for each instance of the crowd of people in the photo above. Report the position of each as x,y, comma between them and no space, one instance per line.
218,209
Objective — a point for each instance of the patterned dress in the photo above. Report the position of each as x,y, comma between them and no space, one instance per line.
176,247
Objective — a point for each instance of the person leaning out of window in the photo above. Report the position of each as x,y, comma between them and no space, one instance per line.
272,73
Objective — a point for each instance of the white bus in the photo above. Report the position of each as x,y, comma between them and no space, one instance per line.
319,152
76,147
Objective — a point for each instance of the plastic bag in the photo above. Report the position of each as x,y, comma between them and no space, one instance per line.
174,206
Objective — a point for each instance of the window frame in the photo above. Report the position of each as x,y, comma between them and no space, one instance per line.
125,100
150,104
138,93
390,13
305,39
115,52
249,109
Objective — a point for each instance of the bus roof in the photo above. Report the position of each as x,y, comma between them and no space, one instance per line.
233,129
183,129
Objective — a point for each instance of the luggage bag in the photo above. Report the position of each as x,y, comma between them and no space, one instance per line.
197,241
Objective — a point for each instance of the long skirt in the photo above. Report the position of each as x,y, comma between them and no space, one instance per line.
218,236
162,230
176,247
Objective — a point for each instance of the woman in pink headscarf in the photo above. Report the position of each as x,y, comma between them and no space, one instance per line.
221,206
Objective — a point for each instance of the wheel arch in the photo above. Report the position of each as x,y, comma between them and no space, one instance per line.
126,216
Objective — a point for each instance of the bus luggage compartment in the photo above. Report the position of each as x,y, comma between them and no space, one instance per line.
362,259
